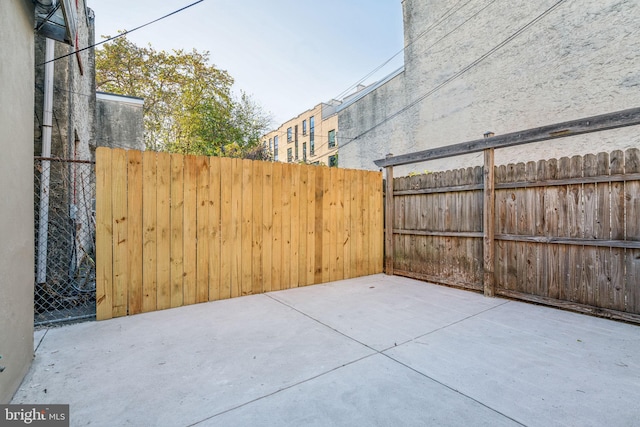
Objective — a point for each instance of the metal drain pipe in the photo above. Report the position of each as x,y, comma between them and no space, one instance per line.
43,223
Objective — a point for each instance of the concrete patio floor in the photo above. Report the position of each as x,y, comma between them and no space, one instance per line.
376,350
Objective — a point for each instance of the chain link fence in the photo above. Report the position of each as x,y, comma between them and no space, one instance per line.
64,197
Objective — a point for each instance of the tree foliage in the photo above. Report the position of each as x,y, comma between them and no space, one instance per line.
189,106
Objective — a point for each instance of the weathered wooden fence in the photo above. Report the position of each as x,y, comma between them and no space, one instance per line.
437,227
175,230
563,232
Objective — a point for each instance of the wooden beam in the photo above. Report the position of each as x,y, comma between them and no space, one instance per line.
450,189
599,123
569,181
568,305
489,223
467,234
388,219
628,244
439,280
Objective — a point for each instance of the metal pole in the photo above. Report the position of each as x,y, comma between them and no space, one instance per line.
43,225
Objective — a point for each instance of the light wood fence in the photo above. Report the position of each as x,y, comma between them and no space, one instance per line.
174,230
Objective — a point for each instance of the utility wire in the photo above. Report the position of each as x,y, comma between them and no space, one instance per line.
459,73
124,33
443,18
440,20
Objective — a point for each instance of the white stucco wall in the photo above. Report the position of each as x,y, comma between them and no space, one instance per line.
16,193
582,59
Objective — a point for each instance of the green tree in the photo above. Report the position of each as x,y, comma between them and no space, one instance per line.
188,104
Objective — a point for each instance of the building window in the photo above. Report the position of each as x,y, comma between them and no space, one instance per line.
275,148
296,150
289,134
304,128
304,151
312,130
333,160
296,132
289,155
332,138
270,145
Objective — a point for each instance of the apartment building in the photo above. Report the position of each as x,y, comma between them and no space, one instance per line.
311,137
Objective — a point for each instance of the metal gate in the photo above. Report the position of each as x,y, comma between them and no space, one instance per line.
64,196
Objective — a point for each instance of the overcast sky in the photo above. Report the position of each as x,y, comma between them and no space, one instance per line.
289,54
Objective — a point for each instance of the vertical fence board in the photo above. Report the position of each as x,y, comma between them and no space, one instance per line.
276,272
616,232
226,229
326,224
564,215
104,236
590,210
267,227
303,226
319,225
339,224
632,196
246,231
529,228
574,196
149,248
257,225
134,231
603,231
359,224
202,230
346,231
163,197
120,222
377,234
236,227
311,225
190,216
177,222
214,228
285,195
294,255
542,285
552,201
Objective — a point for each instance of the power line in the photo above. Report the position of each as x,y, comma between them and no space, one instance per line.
124,33
438,22
459,73
443,18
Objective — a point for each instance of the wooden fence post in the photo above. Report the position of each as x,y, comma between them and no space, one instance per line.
488,218
388,218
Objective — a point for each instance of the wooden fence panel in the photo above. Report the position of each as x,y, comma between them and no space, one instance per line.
437,232
174,230
566,231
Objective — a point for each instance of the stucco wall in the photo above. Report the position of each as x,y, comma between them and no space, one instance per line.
16,193
582,59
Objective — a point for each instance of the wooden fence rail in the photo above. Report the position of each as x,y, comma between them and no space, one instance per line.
174,230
